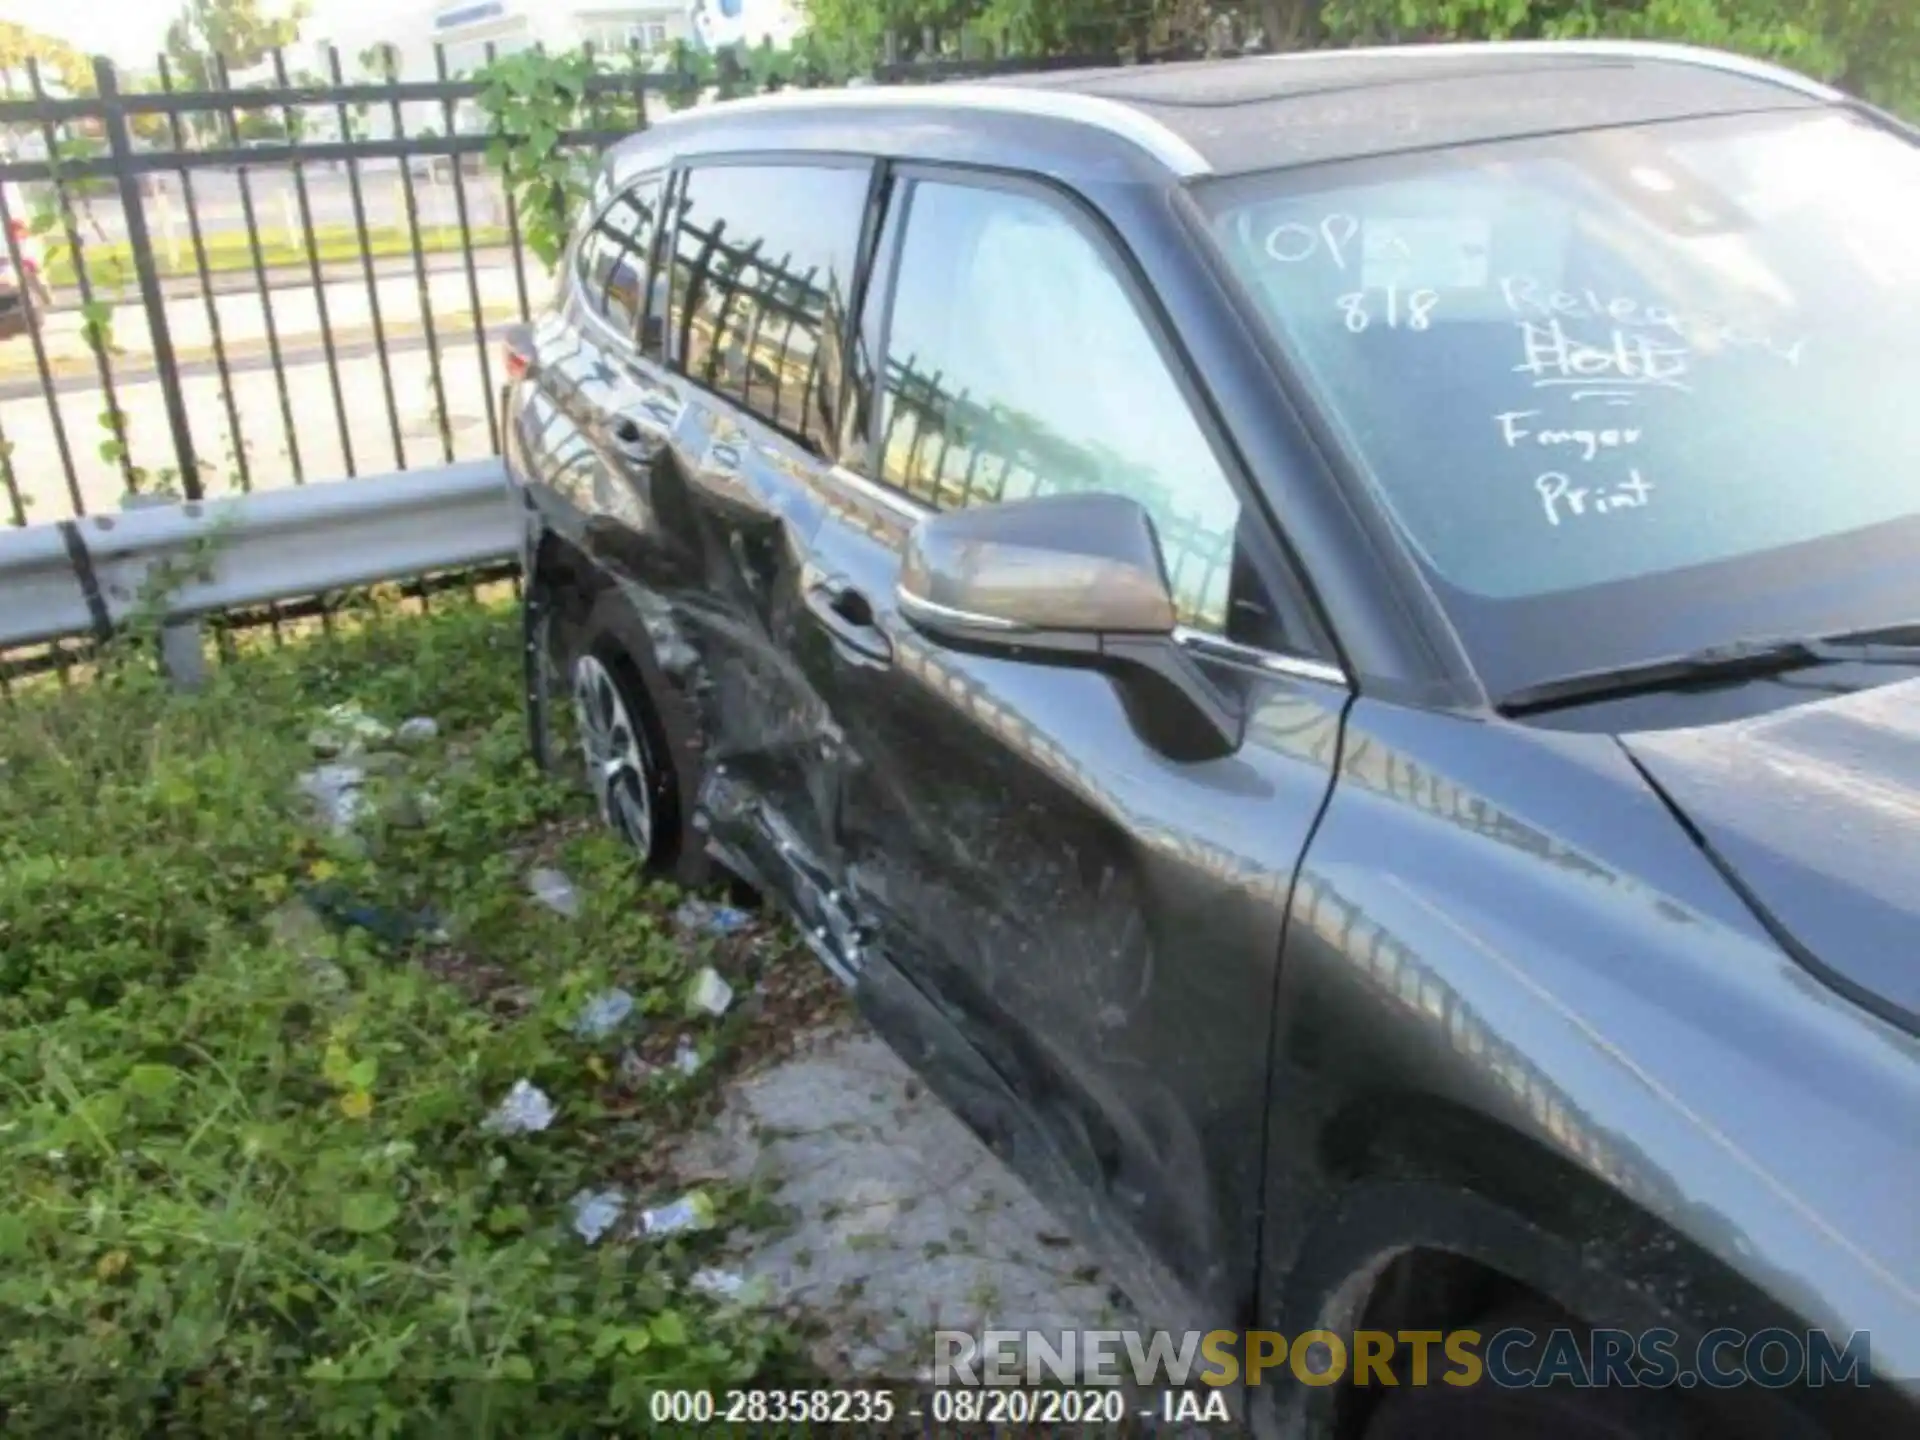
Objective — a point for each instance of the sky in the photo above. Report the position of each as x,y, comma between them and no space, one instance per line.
131,31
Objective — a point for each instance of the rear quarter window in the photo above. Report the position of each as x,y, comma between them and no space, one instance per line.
763,267
612,256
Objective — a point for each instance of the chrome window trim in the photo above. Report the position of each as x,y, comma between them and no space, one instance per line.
1294,667
919,606
1116,117
903,505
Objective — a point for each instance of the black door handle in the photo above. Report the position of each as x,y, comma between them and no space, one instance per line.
848,618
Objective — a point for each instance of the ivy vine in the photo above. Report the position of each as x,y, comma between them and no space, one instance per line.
537,103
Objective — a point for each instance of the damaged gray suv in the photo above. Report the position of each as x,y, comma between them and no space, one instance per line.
1331,646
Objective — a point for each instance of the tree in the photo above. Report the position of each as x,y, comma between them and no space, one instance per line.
61,65
380,61
234,32
1870,47
1038,27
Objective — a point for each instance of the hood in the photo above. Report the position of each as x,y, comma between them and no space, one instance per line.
1813,813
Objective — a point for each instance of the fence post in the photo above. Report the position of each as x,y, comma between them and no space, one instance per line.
120,138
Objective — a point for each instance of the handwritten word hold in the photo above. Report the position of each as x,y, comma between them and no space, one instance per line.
1527,296
1515,433
1565,500
1628,359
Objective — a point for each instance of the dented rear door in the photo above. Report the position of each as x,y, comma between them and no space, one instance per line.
758,266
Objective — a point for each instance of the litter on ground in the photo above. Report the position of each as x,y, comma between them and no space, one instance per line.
595,1212
709,992
526,1110
603,1014
555,891
692,1211
710,919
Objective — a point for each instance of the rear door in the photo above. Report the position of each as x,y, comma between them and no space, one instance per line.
683,396
1075,935
758,267
587,373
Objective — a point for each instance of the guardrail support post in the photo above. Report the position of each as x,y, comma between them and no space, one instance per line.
140,242
182,655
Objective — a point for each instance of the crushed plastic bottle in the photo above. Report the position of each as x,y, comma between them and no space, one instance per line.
709,992
692,1211
527,1110
710,919
603,1014
555,891
420,730
722,1284
595,1212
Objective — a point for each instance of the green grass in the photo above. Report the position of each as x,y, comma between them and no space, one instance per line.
248,1189
111,263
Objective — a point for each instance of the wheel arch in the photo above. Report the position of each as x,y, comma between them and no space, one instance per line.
1441,1214
598,609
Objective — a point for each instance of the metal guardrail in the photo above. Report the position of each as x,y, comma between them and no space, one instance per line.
178,561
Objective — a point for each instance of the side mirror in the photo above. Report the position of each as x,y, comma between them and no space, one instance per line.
1068,580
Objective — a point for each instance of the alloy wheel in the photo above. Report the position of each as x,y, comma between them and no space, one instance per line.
618,766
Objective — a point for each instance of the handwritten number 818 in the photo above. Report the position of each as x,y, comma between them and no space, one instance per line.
1409,311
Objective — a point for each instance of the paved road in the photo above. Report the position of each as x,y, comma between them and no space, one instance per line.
271,444
300,276
217,202
325,438
242,318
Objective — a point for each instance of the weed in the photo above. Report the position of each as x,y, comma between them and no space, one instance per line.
248,1177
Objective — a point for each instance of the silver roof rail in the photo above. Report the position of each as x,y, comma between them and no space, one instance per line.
1113,116
1130,123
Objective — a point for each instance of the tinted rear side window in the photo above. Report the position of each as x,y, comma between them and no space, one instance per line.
612,259
763,264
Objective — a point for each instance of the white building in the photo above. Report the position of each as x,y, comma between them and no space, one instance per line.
732,22
464,29
464,32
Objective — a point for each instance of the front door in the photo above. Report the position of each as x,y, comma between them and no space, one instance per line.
1074,935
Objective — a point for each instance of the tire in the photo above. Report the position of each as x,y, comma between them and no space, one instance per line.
590,717
1488,1412
545,648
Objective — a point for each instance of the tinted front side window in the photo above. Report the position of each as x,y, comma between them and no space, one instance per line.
1018,365
1626,392
612,259
763,264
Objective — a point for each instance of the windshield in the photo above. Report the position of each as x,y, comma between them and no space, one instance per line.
1626,392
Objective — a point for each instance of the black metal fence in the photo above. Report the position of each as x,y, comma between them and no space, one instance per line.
262,280
219,311
246,284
